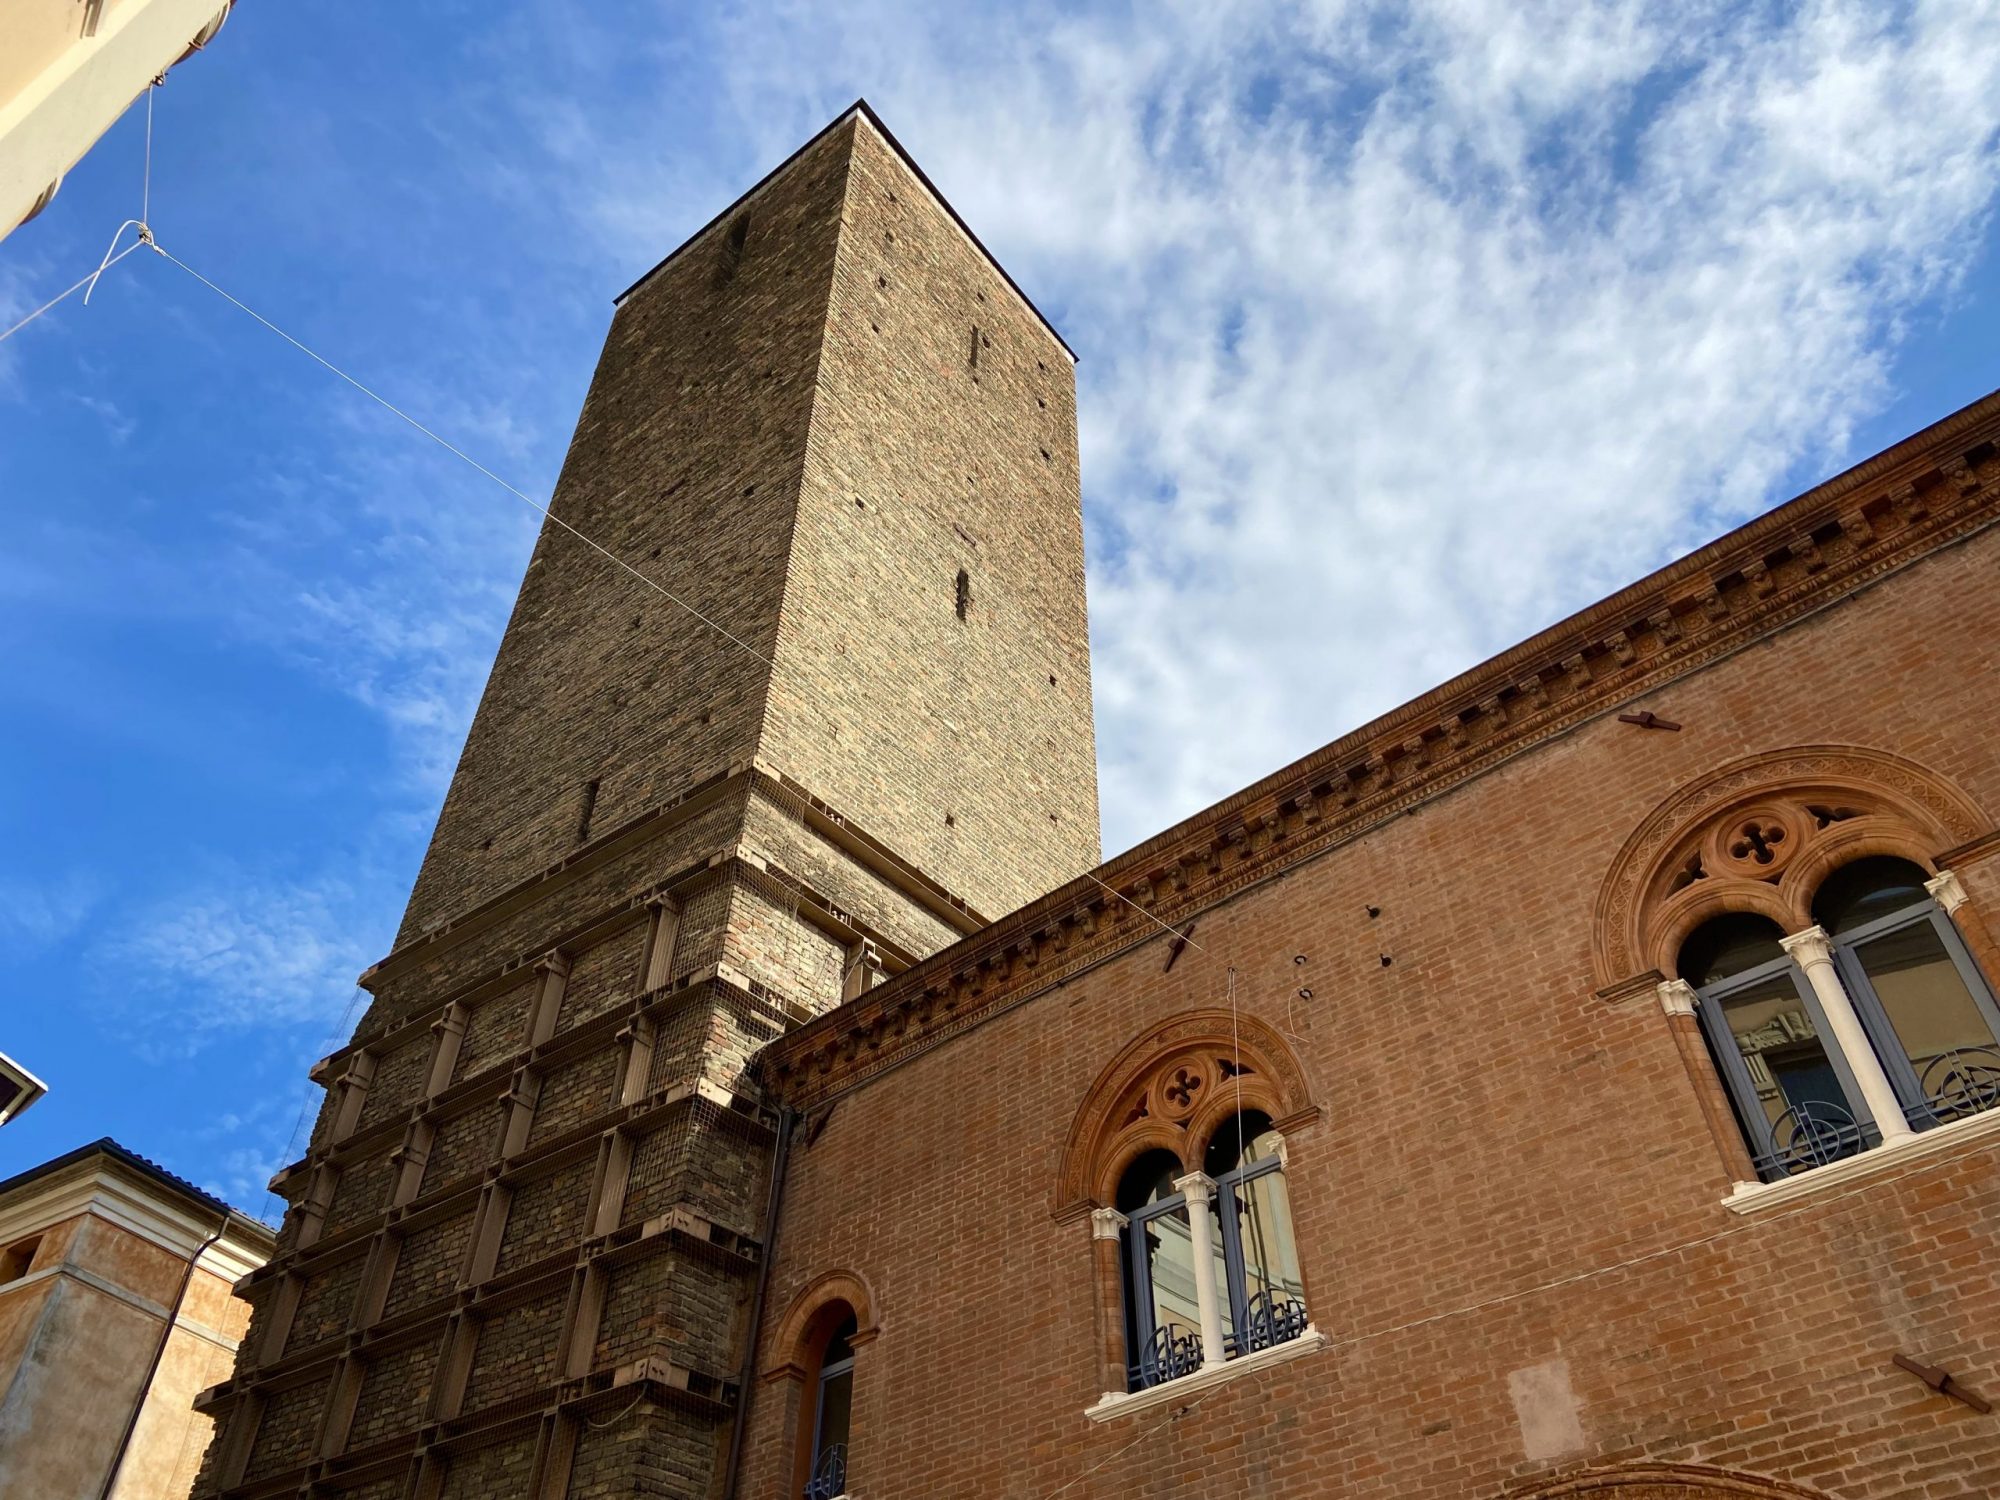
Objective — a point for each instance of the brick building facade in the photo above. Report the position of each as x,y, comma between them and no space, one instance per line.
1575,1082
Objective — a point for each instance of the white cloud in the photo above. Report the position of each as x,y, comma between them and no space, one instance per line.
45,912
230,957
1405,329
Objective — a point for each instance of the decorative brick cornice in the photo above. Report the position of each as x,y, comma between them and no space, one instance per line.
1929,491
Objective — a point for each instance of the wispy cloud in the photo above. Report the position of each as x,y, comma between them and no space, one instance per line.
1405,328
227,958
47,911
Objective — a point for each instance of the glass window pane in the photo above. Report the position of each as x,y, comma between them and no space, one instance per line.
1806,1113
1270,1255
838,1347
836,1401
1170,1270
1150,1179
1867,889
1242,1140
1935,1018
1728,945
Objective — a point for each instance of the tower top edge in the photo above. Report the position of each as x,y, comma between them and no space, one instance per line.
862,110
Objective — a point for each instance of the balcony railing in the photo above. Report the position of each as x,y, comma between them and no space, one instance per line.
829,1478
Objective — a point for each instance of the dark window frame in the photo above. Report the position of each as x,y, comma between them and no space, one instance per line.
1248,1326
826,1472
1772,1163
1144,1367
1874,1015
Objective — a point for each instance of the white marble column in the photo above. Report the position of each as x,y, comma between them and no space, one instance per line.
1814,954
1199,1190
1677,997
1946,891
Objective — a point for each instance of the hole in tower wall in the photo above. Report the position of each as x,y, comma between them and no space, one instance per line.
964,590
587,809
974,360
731,254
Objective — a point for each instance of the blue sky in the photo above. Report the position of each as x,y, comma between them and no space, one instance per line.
1405,330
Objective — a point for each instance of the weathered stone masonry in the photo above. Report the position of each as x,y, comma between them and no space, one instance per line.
520,1253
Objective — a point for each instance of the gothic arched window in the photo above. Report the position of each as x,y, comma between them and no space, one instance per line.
829,1321
1925,1005
1210,1265
1162,1311
833,1405
1825,952
1177,1158
1267,1295
1795,1099
1869,1024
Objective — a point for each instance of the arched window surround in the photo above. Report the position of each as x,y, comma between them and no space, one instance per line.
1832,804
1110,1130
1762,836
816,1313
1173,1088
1692,1481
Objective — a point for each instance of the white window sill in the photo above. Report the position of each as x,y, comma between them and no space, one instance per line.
1755,1197
1171,1393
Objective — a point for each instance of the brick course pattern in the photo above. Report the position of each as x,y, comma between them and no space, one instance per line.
521,1252
1511,1182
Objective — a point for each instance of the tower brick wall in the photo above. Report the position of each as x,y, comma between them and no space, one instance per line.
789,429
521,1253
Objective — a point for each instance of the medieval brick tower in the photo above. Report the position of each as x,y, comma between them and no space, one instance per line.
523,1249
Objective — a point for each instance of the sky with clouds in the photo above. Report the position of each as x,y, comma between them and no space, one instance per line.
1405,330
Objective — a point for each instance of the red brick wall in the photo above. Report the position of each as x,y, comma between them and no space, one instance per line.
1490,1127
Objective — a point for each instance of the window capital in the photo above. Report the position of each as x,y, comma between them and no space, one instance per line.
1809,946
1677,997
1107,1223
1946,890
1198,1187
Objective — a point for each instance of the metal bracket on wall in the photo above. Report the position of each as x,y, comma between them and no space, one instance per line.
1940,1381
1647,719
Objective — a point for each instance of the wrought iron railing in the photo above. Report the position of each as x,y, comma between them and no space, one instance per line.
830,1475
1172,1352
1810,1135
1269,1320
1964,1081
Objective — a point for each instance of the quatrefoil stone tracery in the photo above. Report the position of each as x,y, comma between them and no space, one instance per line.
1182,1087
1757,842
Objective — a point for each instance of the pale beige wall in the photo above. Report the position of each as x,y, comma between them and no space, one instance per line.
91,1319
79,1329
68,70
168,1443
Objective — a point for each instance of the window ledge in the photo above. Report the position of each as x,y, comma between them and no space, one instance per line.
1756,1197
1173,1392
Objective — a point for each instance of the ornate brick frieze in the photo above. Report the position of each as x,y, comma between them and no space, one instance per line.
1936,488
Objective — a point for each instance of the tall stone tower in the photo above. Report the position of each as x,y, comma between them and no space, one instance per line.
521,1253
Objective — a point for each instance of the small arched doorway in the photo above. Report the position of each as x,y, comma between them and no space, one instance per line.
1666,1482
